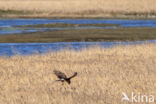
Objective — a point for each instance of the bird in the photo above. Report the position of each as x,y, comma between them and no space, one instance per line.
63,78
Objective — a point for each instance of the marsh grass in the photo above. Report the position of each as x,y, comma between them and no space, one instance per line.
83,8
14,12
103,74
117,34
69,25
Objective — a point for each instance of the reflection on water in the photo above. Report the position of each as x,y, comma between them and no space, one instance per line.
9,49
6,25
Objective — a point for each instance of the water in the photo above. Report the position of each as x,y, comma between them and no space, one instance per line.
10,49
7,25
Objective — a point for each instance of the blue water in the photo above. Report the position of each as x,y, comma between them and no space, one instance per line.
123,23
10,49
7,25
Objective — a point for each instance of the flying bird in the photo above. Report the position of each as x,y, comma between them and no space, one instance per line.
63,78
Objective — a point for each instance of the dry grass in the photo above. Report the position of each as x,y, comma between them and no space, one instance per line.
82,8
103,74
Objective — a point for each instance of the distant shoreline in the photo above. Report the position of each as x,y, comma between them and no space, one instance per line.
124,9
72,16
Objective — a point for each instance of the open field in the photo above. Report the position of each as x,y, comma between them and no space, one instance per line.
118,34
103,74
78,8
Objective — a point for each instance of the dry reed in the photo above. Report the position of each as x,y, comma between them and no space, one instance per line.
103,74
95,8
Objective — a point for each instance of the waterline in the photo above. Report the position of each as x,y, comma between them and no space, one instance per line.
10,49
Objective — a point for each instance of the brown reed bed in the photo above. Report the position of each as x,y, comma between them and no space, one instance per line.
103,74
79,8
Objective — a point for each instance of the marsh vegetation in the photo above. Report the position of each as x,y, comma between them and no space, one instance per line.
118,34
70,25
80,8
103,74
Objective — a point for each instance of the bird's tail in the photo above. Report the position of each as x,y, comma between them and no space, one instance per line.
75,74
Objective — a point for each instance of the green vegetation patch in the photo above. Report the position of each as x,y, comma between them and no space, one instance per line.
67,25
118,34
15,12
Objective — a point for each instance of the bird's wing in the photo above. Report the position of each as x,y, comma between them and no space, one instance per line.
60,74
75,74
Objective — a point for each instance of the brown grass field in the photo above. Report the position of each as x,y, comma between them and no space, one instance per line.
103,74
80,8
